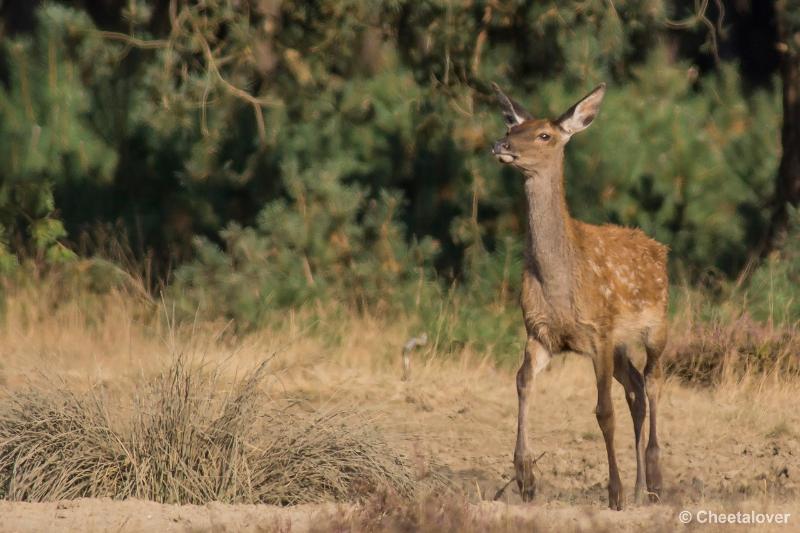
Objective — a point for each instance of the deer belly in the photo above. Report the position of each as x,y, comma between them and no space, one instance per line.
633,326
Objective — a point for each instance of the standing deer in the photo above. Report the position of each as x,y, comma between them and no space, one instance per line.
588,289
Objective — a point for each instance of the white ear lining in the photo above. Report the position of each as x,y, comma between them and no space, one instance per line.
517,118
582,114
513,113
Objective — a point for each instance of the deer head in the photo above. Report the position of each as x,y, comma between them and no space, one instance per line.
529,143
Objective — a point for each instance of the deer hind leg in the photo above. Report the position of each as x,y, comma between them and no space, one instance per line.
604,370
535,359
652,381
633,382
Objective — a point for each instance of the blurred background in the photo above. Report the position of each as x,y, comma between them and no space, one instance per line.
247,157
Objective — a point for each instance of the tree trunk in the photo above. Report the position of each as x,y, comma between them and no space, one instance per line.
787,184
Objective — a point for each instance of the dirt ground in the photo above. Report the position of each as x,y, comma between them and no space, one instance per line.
137,515
728,449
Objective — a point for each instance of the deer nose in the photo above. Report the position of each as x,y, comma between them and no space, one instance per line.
501,146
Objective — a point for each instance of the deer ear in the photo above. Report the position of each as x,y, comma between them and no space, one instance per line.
513,113
578,117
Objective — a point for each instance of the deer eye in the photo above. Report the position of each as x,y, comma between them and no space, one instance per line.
544,136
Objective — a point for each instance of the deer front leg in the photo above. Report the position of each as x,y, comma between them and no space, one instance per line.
604,371
535,359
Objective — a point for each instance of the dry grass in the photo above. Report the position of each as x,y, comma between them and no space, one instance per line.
440,514
730,346
451,513
128,418
712,352
190,439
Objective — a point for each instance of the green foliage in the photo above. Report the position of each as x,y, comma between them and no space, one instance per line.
773,291
46,138
483,313
291,152
326,239
693,168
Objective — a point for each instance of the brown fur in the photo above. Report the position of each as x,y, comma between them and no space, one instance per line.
589,289
619,276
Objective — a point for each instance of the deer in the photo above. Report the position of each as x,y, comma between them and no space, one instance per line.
587,289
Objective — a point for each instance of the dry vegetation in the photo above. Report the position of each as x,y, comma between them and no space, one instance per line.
730,346
107,397
187,438
711,353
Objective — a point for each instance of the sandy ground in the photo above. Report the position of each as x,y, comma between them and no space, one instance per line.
733,448
143,516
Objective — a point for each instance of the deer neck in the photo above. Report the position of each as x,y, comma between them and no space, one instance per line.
549,248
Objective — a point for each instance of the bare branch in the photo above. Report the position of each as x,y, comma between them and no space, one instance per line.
212,64
132,41
698,18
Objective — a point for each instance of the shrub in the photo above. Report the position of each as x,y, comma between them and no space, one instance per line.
328,240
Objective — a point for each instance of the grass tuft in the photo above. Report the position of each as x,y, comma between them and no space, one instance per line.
189,439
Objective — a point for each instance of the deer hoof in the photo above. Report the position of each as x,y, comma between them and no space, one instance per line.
653,474
526,480
615,496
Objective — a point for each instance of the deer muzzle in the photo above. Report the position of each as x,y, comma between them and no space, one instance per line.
502,151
